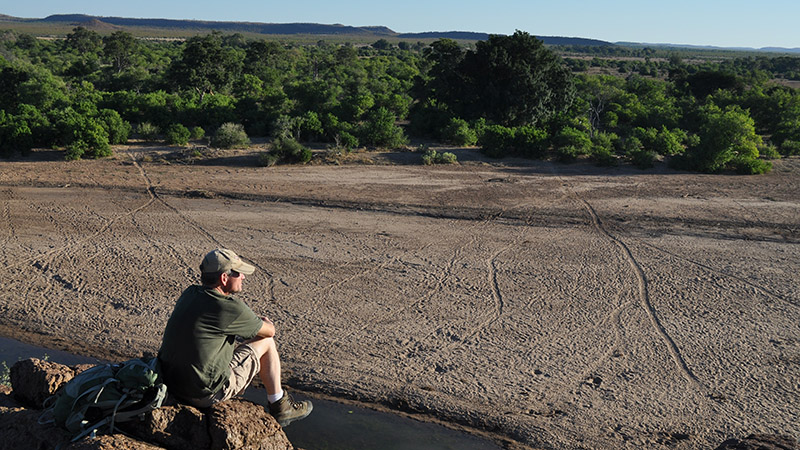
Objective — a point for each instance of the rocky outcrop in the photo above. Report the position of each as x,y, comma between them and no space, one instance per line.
34,380
241,424
760,442
235,424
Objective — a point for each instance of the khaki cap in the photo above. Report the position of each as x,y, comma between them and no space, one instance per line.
224,260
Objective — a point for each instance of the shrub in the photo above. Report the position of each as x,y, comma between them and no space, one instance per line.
346,140
790,147
268,159
380,130
148,131
230,135
458,132
669,143
177,134
117,129
289,150
90,140
603,149
433,157
530,142
768,151
497,141
744,165
310,126
197,133
642,158
570,143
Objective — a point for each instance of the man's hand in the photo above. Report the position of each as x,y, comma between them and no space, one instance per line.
267,328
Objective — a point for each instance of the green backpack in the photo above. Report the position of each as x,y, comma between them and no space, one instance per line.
106,394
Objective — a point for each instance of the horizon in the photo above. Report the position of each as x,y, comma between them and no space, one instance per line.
735,24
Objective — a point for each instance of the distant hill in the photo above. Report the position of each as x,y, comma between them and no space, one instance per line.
711,47
110,23
309,29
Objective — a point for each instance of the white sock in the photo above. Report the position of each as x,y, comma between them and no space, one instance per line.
272,398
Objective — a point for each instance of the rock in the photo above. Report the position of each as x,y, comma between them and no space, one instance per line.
178,427
110,442
6,397
760,442
239,424
34,380
235,424
20,428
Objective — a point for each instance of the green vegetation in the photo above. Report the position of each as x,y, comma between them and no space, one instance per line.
230,135
431,157
177,134
5,374
511,95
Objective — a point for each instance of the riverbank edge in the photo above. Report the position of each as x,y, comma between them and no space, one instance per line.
83,349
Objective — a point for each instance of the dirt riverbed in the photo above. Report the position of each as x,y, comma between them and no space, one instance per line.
559,306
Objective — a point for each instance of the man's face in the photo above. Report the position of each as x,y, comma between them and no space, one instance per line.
234,283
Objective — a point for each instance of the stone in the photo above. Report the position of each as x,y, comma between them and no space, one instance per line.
110,442
243,425
234,424
7,398
178,427
760,442
34,380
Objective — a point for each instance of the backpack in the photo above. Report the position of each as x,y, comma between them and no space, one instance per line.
99,397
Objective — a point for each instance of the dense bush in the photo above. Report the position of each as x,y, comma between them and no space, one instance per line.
750,166
117,129
230,135
148,131
459,133
570,143
790,148
497,141
286,149
379,129
90,140
177,134
431,157
530,142
602,152
197,133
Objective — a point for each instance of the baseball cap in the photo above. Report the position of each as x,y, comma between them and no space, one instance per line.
224,260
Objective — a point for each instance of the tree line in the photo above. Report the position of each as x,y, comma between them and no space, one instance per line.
510,95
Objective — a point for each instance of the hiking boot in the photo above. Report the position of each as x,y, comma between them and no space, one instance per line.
286,410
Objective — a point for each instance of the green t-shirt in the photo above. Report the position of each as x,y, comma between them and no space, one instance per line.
199,341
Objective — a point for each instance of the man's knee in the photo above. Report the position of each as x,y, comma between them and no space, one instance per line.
262,346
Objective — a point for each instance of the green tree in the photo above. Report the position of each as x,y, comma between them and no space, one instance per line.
84,41
724,135
513,80
120,50
206,65
379,129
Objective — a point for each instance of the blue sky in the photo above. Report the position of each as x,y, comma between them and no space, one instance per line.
731,23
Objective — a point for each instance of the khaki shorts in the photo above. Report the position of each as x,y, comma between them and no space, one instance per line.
244,367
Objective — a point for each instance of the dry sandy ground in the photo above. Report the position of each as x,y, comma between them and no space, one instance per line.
561,306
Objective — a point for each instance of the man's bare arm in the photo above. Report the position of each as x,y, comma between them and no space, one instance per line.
267,328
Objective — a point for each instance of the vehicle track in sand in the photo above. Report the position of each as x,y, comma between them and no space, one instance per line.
154,196
642,292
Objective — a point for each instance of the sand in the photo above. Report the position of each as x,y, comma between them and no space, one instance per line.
555,306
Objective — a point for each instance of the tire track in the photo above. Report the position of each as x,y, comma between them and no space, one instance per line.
154,196
643,294
708,268
5,215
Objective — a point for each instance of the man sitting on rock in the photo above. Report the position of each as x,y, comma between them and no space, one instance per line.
200,359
